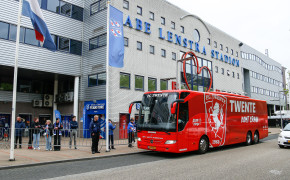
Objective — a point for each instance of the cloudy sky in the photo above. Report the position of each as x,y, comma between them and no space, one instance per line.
262,24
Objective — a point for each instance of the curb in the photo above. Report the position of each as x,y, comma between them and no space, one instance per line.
70,160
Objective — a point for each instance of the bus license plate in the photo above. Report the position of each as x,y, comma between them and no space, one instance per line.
152,147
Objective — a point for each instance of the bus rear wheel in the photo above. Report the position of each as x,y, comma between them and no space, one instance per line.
249,139
203,145
256,138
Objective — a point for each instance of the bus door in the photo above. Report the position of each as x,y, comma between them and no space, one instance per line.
182,132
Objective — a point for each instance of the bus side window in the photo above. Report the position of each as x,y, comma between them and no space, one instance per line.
183,115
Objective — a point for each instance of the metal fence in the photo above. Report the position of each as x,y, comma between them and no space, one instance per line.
83,138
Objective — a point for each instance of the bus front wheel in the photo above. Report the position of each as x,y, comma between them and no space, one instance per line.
203,145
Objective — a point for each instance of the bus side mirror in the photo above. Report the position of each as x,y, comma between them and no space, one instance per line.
173,107
130,108
132,104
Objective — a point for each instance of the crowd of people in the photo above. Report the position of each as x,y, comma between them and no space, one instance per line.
55,130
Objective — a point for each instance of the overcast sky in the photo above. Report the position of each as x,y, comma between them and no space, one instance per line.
262,24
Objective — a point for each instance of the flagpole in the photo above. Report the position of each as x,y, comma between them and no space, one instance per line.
12,158
107,79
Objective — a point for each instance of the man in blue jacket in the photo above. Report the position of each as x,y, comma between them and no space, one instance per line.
111,134
95,132
131,130
19,127
73,131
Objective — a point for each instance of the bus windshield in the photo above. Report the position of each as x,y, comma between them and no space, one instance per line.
155,113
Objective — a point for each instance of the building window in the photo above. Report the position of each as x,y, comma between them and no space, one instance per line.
12,33
139,83
63,44
139,10
152,49
196,35
152,84
208,41
163,52
216,69
232,52
151,15
163,85
228,72
77,13
173,56
233,74
227,49
238,75
126,42
4,29
98,6
222,71
30,37
53,5
215,44
125,80
163,20
65,8
75,47
98,41
97,79
237,54
139,45
221,46
126,4
182,29
172,25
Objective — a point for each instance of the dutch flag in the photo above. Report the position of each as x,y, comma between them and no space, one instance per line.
31,9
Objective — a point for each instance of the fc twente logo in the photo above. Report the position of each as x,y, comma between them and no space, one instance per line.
216,119
115,28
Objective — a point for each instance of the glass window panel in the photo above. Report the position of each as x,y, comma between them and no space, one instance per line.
102,79
196,35
139,45
93,80
163,85
163,53
125,4
151,84
75,47
63,44
12,33
65,8
126,42
163,20
4,27
173,56
30,37
53,5
151,15
124,80
139,83
152,49
139,10
77,13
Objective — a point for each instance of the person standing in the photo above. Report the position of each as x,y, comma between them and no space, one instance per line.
111,134
48,133
57,134
131,130
95,133
19,127
36,133
73,131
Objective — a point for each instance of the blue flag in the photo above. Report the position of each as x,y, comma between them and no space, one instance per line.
116,38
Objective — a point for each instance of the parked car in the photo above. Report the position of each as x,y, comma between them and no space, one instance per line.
284,136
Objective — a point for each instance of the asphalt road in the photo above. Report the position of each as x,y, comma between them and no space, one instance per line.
262,161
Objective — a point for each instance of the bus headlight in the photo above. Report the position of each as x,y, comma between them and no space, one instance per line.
139,139
170,142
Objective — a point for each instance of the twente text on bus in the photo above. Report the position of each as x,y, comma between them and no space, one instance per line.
179,121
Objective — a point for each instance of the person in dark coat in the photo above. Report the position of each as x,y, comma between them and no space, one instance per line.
111,134
57,134
36,133
95,130
73,131
19,127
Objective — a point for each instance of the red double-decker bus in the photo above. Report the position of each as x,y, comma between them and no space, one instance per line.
179,121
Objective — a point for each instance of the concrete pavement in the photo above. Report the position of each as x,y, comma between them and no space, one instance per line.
27,157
